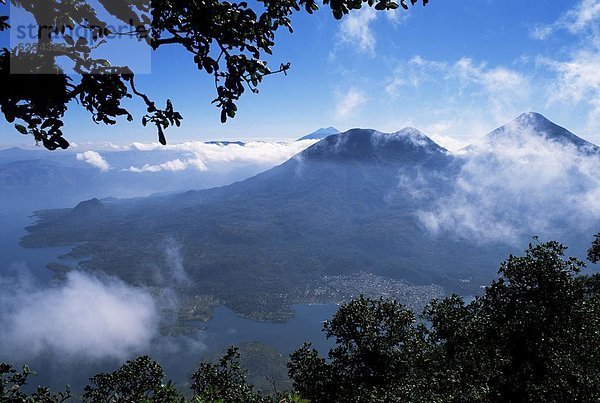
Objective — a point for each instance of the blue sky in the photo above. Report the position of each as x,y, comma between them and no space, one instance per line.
455,69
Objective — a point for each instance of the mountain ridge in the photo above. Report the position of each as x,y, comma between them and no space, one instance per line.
535,125
365,144
320,134
347,204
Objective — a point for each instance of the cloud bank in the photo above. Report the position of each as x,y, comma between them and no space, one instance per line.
517,186
82,317
171,166
94,159
202,156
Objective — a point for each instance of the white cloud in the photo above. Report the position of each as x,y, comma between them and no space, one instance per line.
171,166
585,15
501,84
449,143
464,98
356,31
101,146
204,157
574,81
397,17
174,260
348,102
82,317
413,73
95,159
578,81
541,32
518,186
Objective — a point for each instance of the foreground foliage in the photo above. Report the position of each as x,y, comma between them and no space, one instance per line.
12,382
533,336
138,381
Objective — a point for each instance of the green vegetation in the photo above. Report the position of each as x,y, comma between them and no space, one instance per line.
12,382
533,336
266,367
138,381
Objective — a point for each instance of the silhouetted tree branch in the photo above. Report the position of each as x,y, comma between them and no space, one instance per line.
228,40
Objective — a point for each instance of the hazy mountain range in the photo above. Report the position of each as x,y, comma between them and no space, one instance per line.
396,205
66,177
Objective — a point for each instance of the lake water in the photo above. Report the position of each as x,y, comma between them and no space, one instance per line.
13,256
226,328
178,355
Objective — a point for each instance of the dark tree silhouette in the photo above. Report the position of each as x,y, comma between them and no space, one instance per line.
228,40
12,383
224,381
139,380
532,337
594,250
